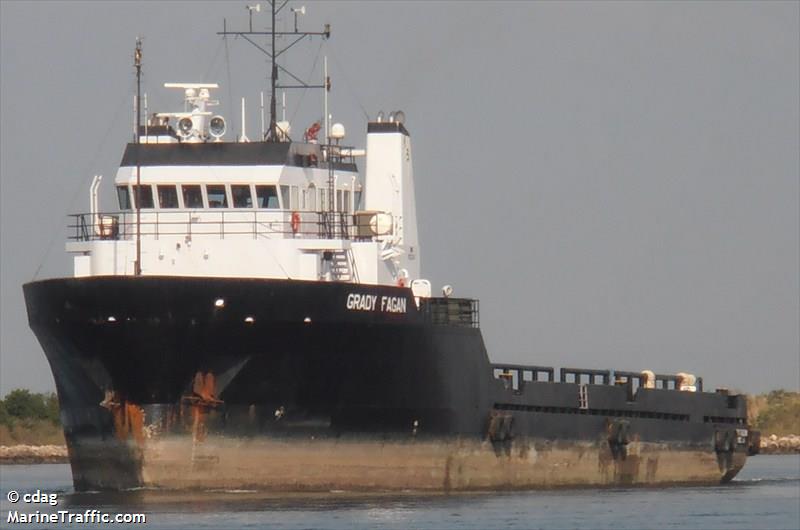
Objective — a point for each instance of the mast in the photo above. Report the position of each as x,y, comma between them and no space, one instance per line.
272,107
137,62
274,54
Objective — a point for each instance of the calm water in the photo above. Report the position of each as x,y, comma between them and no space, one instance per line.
765,495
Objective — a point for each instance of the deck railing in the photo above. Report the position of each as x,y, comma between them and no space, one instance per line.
516,375
220,224
463,312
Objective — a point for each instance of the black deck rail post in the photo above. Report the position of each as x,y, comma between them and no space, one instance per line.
84,230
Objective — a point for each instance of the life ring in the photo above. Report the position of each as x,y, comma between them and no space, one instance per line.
312,160
401,282
295,222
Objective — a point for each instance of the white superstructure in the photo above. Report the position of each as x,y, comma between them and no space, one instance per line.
269,209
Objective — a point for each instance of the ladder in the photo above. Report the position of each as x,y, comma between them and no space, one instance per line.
583,397
341,269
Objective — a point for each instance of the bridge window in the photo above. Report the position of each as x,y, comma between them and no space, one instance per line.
285,197
124,198
167,197
343,198
240,193
267,197
192,196
145,196
294,205
311,203
217,197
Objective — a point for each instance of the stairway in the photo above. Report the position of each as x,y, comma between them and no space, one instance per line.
341,268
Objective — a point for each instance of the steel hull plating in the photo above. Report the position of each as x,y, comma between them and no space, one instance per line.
278,384
368,464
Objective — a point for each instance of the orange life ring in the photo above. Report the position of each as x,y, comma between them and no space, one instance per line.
295,222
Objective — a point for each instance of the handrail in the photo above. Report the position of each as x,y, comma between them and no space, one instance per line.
577,373
463,312
221,223
513,375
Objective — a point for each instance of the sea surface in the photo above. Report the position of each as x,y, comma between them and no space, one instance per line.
766,494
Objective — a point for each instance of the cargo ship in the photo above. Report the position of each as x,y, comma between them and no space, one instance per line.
253,315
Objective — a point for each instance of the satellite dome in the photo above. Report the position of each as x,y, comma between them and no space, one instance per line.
337,131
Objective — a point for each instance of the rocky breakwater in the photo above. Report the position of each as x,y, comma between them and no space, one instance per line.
33,454
780,445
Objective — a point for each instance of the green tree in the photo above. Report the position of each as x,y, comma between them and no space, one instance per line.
5,417
53,410
781,416
23,404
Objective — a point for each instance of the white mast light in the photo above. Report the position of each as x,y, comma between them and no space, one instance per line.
298,11
250,9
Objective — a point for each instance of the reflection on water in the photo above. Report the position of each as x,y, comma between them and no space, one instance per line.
764,495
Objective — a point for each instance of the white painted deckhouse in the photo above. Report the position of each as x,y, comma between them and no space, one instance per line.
267,209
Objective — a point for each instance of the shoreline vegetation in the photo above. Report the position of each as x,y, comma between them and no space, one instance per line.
777,416
30,428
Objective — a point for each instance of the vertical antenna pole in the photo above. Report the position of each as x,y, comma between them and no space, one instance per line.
329,151
272,106
134,117
263,125
137,62
325,91
244,137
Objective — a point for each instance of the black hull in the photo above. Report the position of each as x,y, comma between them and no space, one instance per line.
288,361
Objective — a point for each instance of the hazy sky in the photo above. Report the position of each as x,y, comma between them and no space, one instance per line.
617,182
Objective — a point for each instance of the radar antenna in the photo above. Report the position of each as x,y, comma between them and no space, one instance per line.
273,134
